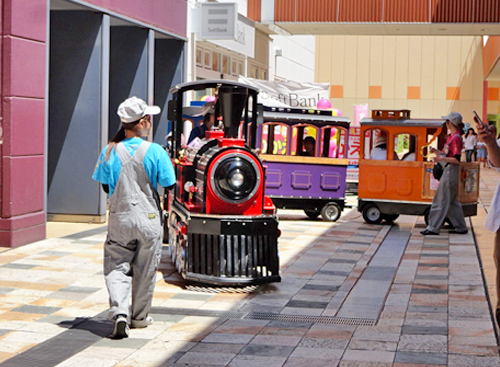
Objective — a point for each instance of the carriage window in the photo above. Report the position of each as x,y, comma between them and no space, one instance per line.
334,142
274,139
425,149
304,140
375,142
405,145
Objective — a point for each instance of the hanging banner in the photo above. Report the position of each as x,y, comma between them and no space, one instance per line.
360,111
288,94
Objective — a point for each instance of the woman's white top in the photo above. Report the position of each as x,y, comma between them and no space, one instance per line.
470,142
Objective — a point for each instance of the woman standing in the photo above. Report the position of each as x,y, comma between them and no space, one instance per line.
470,142
445,203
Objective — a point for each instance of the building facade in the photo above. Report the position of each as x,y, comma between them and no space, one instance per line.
430,76
66,65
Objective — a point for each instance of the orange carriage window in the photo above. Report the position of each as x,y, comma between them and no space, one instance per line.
333,142
375,142
274,138
304,140
433,141
405,146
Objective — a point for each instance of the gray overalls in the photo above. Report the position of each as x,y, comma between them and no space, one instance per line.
133,247
445,203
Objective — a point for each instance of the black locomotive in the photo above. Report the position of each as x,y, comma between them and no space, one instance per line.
222,229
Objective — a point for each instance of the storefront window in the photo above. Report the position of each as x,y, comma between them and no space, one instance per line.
206,60
234,68
199,57
215,61
225,64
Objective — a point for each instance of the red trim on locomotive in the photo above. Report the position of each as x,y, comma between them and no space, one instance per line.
252,206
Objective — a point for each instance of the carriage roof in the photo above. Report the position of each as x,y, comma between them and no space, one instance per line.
297,116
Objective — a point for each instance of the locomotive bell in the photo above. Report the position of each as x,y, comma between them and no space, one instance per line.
232,101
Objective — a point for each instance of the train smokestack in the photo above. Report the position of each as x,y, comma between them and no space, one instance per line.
232,101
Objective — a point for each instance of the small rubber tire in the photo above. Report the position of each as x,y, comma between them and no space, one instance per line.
389,218
312,213
372,214
331,212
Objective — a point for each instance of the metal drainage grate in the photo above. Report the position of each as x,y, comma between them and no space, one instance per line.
310,319
264,316
235,290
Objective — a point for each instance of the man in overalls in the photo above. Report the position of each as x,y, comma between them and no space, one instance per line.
129,169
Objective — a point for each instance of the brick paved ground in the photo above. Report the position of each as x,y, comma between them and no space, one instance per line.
430,309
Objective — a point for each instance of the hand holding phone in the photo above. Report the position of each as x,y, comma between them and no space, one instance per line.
479,121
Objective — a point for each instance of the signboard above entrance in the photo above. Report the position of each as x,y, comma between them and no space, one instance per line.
218,20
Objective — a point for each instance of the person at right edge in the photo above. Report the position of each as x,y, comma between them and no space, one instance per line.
445,203
129,169
493,218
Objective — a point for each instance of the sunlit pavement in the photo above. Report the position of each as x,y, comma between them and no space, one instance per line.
352,294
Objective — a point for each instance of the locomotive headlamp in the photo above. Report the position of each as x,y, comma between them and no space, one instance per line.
235,178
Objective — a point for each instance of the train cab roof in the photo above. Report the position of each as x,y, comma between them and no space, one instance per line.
399,118
203,84
299,115
428,123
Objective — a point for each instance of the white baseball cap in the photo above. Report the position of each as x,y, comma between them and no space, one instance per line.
208,107
454,117
134,109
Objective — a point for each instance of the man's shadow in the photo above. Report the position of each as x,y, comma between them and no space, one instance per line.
98,325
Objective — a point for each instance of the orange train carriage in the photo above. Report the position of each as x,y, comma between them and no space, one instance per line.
402,181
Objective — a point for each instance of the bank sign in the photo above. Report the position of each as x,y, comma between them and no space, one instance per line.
218,20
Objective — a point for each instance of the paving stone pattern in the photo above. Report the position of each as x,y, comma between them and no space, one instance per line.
434,311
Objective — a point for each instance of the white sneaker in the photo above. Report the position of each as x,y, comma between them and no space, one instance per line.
142,323
121,329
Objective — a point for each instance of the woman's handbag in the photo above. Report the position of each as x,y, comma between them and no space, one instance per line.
437,170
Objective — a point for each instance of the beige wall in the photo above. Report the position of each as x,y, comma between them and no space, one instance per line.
422,74
258,67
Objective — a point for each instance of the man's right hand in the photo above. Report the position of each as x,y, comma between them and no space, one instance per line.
488,137
484,133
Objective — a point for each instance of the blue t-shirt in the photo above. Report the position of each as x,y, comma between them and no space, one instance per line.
156,162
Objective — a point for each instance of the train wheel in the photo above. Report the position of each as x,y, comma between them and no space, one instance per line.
312,213
390,217
331,212
372,214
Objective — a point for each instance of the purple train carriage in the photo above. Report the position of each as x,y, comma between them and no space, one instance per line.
305,154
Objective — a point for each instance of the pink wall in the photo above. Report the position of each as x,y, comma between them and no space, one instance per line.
23,34
170,15
23,27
